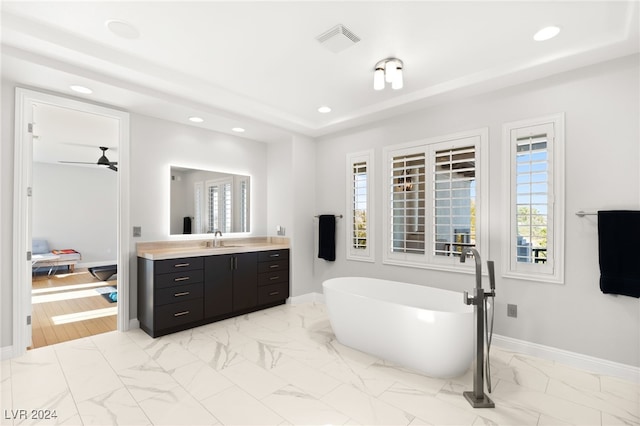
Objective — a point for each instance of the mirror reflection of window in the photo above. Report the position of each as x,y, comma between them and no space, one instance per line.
206,201
219,206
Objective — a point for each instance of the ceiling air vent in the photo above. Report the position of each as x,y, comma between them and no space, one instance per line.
338,38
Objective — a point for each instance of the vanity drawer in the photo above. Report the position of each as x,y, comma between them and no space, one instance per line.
273,277
279,265
175,314
179,278
272,293
268,256
179,293
178,265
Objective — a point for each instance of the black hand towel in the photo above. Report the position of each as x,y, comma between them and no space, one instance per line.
327,237
186,225
618,232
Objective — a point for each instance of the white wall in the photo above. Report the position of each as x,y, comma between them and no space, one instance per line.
292,205
76,207
601,104
7,117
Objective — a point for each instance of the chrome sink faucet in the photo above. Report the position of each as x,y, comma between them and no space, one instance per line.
216,241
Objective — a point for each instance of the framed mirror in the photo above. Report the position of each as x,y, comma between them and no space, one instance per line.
204,201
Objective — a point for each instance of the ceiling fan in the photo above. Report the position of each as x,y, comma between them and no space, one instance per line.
102,161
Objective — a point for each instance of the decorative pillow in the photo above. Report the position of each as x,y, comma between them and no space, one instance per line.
40,246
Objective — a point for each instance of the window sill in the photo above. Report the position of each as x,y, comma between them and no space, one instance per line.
468,268
548,279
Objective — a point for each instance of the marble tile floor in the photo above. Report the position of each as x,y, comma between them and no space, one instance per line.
283,366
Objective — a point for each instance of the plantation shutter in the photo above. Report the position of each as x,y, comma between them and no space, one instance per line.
454,200
532,198
359,206
408,203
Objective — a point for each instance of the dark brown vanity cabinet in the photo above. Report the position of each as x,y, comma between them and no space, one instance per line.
170,294
177,294
273,276
230,283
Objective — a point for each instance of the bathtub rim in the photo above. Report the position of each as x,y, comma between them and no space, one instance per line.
465,309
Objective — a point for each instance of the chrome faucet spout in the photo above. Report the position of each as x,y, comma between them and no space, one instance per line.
216,242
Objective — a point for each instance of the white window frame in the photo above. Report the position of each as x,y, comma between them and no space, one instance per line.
367,254
553,270
428,260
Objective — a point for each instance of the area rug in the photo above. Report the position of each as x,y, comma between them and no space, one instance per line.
109,293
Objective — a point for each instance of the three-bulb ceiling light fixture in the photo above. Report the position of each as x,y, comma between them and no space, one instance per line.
388,70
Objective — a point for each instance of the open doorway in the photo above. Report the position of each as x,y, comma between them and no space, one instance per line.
79,210
74,224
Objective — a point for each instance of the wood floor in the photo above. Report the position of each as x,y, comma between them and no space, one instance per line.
66,306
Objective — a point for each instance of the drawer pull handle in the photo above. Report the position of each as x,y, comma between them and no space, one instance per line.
181,279
275,255
179,314
274,266
273,278
184,293
180,265
273,293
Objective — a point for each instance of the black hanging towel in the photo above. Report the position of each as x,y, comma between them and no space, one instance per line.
618,231
327,237
186,225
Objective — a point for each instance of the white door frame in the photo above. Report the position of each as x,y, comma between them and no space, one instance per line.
22,215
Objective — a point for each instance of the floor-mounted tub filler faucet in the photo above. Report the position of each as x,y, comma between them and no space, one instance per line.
477,398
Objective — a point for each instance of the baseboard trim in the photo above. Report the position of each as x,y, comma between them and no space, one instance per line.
133,323
571,359
6,352
306,298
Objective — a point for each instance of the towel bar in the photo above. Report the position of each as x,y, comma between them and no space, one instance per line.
339,216
582,213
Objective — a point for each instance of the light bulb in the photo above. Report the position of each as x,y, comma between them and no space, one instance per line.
397,82
378,79
390,71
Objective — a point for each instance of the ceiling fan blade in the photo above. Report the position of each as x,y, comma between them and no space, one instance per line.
102,161
75,162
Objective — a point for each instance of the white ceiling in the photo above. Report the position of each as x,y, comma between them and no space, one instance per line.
258,65
63,134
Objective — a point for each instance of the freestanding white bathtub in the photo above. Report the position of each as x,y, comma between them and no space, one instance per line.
424,328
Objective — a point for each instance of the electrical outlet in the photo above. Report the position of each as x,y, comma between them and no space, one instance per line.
512,310
137,231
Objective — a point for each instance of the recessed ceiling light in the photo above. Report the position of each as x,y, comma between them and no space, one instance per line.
122,29
324,109
238,129
81,89
196,119
546,33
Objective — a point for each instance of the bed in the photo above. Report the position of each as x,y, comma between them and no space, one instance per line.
43,257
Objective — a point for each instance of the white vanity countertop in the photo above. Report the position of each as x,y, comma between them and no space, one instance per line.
162,250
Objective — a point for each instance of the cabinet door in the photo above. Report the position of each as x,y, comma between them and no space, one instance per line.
218,285
245,281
